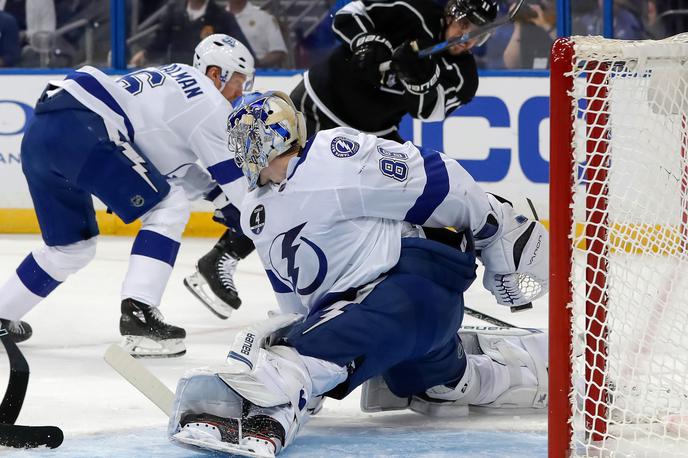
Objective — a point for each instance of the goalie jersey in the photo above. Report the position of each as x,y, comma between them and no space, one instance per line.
173,114
357,195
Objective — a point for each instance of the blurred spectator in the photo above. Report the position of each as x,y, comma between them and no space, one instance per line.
317,45
664,18
88,40
655,27
263,32
31,15
492,57
148,7
534,31
9,40
588,19
16,8
40,17
184,24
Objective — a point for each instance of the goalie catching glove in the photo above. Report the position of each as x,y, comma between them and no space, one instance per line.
515,253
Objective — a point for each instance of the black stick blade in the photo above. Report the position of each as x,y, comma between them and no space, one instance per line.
18,436
19,379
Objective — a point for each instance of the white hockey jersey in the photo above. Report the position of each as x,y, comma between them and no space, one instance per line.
173,114
337,221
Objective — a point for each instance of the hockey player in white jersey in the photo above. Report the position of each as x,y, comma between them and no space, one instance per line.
134,143
337,222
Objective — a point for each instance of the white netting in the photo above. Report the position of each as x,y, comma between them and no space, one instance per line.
630,235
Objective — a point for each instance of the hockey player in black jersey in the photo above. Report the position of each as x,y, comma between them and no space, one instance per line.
348,89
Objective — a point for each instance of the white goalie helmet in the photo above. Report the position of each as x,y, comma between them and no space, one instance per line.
263,126
226,53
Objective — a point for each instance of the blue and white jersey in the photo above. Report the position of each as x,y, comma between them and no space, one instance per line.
173,114
337,221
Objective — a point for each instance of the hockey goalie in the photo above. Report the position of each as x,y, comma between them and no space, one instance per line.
367,295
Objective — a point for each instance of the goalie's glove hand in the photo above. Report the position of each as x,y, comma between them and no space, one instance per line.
369,51
516,259
417,74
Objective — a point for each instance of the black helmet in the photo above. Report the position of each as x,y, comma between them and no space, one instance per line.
479,12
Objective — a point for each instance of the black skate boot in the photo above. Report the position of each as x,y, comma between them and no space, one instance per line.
146,334
213,281
19,331
259,435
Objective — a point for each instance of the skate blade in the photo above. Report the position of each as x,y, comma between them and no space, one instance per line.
211,444
200,288
144,347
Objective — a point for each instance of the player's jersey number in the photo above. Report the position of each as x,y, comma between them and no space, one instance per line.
394,169
136,81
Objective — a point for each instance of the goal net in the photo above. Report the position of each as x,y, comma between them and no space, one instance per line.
619,238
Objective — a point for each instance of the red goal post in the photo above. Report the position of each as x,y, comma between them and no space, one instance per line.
618,235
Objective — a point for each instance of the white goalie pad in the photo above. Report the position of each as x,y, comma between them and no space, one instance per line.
201,392
516,373
376,397
506,370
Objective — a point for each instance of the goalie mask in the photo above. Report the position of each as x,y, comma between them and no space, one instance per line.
260,129
226,53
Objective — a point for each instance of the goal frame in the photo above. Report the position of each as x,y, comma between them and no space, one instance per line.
560,430
562,165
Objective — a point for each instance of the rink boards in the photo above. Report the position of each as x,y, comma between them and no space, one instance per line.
501,138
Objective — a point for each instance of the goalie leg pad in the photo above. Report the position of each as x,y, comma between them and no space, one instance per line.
377,397
512,369
209,415
254,412
506,369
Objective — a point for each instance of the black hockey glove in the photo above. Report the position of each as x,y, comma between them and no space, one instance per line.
229,216
418,74
369,51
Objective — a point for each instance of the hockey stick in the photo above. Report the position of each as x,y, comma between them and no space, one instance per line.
19,436
466,37
18,381
140,378
488,318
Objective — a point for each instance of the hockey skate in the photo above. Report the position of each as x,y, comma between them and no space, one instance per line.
19,331
213,281
146,334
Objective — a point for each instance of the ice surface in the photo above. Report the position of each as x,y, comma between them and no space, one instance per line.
102,416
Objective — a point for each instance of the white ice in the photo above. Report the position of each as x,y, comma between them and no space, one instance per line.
102,415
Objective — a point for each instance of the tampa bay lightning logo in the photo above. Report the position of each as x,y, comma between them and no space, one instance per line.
229,41
298,261
343,147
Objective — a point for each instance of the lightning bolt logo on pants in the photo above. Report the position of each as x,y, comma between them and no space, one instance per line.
138,162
